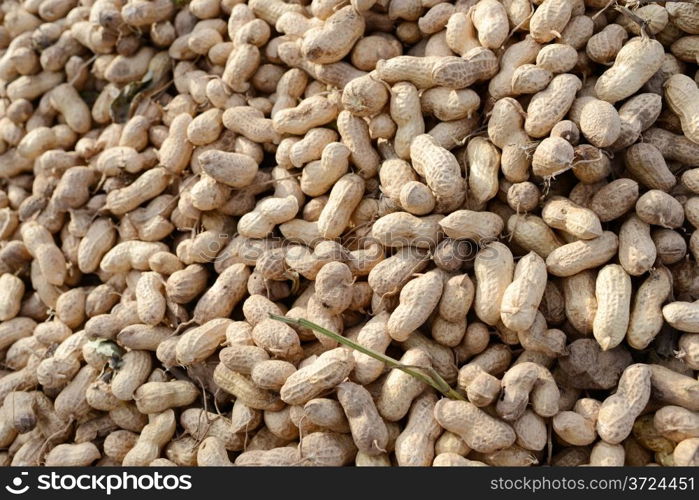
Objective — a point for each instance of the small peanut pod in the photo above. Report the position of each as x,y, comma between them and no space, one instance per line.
674,388
530,79
374,336
682,96
494,270
449,104
441,171
607,455
553,156
335,39
127,255
637,114
154,436
646,318
364,96
441,356
245,391
561,213
634,65
526,383
490,19
240,67
686,453
279,339
461,34
135,368
355,135
201,424
232,169
646,163
578,256
344,198
506,123
400,389
72,455
149,185
549,106
19,409
549,20
557,58
150,298
637,252
99,239
613,292
480,431
11,294
574,428
417,301
312,112
368,429
333,287
322,413
401,229
484,165
197,344
40,243
659,208
407,113
618,412
212,453
267,213
676,423
271,374
318,177
219,300
614,199
683,316
412,69
251,123
184,285
66,100
532,233
328,449
605,45
156,397
415,446
324,373
71,402
416,198
515,55
457,298
670,246
600,123
176,150
476,65
523,295
118,443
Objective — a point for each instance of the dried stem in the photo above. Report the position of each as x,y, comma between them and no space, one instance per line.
433,379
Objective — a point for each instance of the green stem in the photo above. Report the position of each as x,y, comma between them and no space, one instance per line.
434,380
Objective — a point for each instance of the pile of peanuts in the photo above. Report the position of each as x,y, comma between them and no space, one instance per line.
500,192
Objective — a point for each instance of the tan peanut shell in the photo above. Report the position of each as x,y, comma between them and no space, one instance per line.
418,299
613,292
575,257
635,63
494,270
